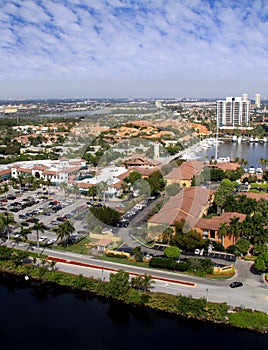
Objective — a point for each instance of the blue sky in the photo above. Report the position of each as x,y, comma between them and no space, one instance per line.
133,48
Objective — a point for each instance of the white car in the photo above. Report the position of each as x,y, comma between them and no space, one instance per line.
42,238
51,241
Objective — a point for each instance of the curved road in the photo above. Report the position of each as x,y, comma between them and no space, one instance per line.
253,294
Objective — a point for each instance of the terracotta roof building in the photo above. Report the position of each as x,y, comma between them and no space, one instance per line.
189,204
184,174
208,228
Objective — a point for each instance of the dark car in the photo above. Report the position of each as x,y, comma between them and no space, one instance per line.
236,284
11,197
61,218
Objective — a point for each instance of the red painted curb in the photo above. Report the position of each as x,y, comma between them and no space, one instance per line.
77,263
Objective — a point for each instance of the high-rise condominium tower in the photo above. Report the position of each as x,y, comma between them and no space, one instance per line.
258,100
233,111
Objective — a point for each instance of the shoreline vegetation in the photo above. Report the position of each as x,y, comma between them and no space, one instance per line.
30,267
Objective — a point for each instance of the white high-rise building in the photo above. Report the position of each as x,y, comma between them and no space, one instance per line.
258,100
233,111
245,97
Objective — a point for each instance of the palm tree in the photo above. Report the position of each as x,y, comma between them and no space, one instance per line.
167,234
8,219
63,187
64,231
235,228
24,233
263,162
20,179
38,227
75,190
92,191
48,183
147,282
223,231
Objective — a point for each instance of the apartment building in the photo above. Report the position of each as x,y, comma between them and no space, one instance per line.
233,111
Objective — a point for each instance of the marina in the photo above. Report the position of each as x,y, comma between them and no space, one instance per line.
212,149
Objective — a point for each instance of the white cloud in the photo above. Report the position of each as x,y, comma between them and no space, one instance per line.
166,45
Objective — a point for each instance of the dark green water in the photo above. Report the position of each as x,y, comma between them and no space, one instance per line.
41,317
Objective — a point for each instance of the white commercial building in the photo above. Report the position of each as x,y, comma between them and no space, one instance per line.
233,111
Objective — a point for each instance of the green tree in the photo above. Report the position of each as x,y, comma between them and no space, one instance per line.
147,281
92,191
106,215
172,252
242,246
38,227
188,240
225,189
119,284
173,189
235,228
261,263
64,231
133,177
223,231
75,190
137,254
156,182
7,221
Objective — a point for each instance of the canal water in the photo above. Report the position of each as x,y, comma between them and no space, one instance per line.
41,317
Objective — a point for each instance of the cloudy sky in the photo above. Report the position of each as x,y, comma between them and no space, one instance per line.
133,48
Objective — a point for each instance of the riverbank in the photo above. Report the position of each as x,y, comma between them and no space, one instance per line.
44,272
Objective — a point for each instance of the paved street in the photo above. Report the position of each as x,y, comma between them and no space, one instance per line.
253,294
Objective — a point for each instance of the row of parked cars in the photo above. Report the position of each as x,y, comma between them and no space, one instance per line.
129,215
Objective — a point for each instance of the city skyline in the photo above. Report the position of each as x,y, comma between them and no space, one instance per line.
172,49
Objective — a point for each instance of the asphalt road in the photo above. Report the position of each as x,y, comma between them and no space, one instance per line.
253,294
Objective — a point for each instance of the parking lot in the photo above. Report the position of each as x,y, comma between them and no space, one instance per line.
31,207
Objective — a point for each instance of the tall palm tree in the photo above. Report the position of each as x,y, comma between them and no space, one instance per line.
24,233
92,191
38,227
21,179
7,220
48,183
223,231
63,187
235,228
75,190
64,231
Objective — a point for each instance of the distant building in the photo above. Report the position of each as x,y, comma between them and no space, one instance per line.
233,111
258,100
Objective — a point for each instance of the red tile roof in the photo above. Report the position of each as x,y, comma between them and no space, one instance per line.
256,196
189,202
186,170
215,221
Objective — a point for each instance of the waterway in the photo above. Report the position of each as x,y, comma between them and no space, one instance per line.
76,113
41,317
251,152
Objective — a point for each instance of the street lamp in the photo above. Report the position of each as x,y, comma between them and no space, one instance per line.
207,294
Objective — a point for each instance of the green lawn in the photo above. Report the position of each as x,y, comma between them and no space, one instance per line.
79,247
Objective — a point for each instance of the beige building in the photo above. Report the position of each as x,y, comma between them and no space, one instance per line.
184,174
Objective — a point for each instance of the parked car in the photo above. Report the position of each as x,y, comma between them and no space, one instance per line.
11,197
61,218
236,284
42,238
51,241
